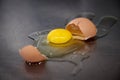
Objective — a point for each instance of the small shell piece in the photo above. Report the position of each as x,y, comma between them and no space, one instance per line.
82,28
31,54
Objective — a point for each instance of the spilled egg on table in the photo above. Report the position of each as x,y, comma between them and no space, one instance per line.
70,41
59,42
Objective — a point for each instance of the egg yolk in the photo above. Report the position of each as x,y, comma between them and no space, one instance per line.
59,36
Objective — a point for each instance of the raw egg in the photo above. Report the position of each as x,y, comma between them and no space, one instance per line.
31,54
82,28
59,36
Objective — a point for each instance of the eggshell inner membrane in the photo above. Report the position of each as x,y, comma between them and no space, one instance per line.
31,54
82,28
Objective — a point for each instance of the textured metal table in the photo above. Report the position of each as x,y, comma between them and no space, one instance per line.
19,18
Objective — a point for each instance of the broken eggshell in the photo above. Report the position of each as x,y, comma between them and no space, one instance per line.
82,28
31,54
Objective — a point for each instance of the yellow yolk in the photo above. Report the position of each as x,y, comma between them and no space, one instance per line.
59,36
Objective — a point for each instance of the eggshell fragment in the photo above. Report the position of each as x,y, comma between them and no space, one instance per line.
82,28
31,54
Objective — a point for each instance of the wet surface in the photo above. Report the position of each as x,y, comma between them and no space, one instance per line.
19,18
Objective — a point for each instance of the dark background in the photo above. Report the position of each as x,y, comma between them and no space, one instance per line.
19,18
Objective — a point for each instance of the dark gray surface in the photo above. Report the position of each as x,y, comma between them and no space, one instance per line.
19,18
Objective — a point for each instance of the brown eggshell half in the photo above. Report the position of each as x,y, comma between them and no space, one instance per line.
82,28
31,54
